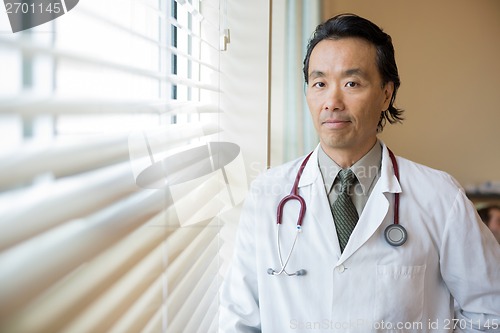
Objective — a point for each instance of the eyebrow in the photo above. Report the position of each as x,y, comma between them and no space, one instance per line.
315,74
355,72
349,72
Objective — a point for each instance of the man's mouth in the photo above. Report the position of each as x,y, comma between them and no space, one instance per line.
335,123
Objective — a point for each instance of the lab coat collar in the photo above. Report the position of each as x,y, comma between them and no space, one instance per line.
311,171
387,182
373,214
376,209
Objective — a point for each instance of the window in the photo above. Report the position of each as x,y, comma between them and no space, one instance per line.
89,104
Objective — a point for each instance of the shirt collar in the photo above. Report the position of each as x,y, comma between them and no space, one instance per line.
366,168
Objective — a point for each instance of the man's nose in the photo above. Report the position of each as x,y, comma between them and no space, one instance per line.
334,100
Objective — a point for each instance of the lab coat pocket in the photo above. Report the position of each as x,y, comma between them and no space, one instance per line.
399,294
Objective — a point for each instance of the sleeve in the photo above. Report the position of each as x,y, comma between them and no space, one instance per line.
470,266
239,305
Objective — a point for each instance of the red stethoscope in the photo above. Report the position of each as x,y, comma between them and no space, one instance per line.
395,234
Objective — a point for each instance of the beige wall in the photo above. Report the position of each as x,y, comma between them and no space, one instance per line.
448,54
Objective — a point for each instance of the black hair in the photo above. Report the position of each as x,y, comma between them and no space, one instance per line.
351,25
485,214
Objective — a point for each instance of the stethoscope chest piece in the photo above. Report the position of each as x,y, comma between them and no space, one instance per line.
395,235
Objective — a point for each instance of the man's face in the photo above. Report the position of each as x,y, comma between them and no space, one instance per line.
494,223
346,96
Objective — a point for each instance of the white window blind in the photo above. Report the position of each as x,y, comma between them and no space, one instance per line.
89,104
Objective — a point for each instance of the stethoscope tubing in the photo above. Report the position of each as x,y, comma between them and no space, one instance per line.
283,265
294,195
395,234
396,195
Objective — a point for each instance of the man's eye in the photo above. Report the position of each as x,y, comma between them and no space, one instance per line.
351,84
318,84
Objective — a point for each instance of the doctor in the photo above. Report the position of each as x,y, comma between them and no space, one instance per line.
330,278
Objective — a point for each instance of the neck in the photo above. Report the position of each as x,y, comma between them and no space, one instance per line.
346,157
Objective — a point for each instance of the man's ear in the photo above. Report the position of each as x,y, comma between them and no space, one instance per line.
388,92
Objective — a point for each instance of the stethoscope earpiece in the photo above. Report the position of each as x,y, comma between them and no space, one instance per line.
300,272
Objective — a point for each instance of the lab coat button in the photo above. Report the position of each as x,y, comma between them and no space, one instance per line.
341,268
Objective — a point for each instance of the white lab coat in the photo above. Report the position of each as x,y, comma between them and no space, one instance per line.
372,286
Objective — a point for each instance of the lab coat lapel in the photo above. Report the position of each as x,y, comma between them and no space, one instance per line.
376,209
312,188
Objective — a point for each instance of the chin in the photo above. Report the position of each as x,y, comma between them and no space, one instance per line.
343,143
335,143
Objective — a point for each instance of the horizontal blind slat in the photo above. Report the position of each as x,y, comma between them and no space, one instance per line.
60,159
143,310
176,79
64,55
64,232
27,105
65,159
176,51
154,41
178,253
102,230
31,48
106,309
209,307
35,210
62,303
196,288
185,271
157,323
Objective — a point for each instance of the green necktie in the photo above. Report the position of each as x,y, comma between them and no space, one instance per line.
344,212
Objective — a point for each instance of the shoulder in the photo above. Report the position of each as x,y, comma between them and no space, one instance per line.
423,179
414,169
